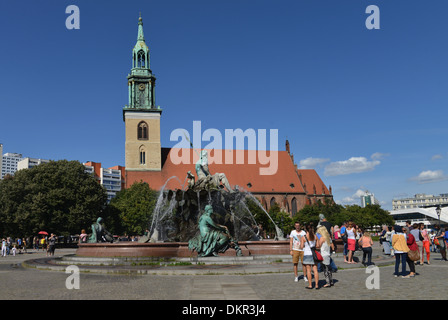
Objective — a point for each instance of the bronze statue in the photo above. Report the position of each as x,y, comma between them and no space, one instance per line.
212,238
99,233
205,179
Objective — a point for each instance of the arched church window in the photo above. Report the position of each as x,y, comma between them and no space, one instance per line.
272,202
142,131
294,206
142,156
141,59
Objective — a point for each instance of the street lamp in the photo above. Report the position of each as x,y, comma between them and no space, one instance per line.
438,211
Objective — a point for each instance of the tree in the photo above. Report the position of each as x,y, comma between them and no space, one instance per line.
281,218
310,213
134,207
58,197
368,217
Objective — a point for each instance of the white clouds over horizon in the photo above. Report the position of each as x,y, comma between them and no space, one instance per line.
356,197
311,163
352,165
344,167
429,176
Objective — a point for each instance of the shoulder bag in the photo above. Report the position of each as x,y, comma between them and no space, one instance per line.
414,255
316,254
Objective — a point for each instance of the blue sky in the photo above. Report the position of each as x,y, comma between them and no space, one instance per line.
365,108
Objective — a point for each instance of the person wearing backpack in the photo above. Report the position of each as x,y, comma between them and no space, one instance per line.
440,236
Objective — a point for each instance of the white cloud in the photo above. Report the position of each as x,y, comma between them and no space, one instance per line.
429,176
310,163
354,198
378,156
437,157
352,165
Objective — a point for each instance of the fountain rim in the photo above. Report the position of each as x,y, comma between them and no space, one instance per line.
175,249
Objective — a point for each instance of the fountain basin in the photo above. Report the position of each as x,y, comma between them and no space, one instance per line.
175,249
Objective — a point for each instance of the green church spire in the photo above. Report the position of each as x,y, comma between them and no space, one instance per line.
141,50
141,81
140,37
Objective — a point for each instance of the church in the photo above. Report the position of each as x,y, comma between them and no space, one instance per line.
146,160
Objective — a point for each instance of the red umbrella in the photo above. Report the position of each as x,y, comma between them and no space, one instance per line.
43,232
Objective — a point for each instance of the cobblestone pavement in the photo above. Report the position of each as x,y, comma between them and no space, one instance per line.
18,282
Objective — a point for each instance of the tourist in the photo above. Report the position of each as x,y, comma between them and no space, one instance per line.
337,232
83,236
432,235
344,239
8,245
412,245
43,243
415,231
3,247
366,243
51,245
425,244
385,239
14,249
382,237
400,250
24,242
359,233
440,241
388,242
295,251
36,243
323,222
325,244
351,241
19,244
306,243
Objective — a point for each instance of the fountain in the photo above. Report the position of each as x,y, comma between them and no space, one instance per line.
176,230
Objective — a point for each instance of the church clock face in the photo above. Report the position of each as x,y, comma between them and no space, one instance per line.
141,86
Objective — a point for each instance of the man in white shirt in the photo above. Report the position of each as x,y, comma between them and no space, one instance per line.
295,251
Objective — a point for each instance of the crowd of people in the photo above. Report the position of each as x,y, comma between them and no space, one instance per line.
410,245
313,248
13,246
45,243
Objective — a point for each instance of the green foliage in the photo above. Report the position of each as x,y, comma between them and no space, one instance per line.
58,197
259,214
281,219
370,216
132,208
310,213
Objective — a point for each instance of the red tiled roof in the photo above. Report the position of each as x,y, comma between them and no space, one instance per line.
311,179
284,180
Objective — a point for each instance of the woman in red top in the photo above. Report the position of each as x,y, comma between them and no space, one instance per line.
410,240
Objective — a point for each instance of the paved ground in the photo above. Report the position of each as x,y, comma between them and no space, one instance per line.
276,283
